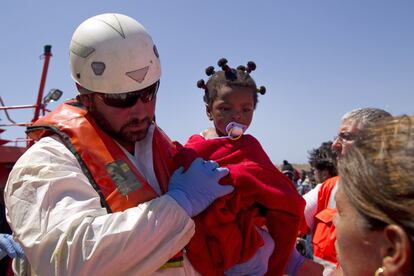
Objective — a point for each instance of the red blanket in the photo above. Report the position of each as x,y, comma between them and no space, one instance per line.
225,232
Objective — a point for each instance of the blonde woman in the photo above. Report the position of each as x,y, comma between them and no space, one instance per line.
375,202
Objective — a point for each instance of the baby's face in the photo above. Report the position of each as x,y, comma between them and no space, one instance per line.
232,104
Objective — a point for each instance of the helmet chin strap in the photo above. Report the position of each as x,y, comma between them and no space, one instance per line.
235,130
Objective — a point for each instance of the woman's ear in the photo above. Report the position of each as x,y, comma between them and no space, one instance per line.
397,259
208,112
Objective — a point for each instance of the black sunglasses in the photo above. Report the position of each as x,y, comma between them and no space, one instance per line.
130,99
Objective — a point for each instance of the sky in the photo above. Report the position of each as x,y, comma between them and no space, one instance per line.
318,60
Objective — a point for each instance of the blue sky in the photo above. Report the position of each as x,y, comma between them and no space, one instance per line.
318,59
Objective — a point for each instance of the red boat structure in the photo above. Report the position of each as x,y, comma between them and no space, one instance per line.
11,150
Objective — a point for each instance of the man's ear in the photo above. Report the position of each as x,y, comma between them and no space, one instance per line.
84,99
325,174
208,112
397,257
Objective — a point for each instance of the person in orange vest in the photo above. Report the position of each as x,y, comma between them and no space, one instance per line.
320,202
323,164
97,193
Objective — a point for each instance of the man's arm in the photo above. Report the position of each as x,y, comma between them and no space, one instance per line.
57,217
311,207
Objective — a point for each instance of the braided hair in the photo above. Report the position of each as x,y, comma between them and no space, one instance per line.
230,77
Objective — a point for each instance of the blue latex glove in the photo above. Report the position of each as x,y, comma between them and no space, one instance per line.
258,264
195,189
9,247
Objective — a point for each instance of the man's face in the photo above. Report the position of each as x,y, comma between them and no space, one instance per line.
347,135
125,124
320,175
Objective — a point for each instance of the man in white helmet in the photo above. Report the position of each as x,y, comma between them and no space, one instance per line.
95,194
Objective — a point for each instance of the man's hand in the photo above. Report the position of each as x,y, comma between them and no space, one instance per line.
195,189
10,247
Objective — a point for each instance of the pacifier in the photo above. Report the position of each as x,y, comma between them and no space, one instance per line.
235,130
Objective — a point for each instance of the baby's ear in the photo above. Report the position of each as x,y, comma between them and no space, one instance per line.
208,112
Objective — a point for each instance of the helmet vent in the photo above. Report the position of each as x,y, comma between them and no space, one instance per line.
98,67
80,50
138,75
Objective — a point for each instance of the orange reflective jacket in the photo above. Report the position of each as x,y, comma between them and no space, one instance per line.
324,234
117,181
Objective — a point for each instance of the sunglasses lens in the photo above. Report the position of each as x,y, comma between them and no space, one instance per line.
119,100
146,96
130,99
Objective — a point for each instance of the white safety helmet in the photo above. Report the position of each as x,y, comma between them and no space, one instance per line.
113,53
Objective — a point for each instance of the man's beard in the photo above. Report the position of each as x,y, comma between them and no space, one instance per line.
125,134
132,135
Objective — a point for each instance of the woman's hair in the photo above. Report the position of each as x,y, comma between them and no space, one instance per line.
230,77
323,158
377,174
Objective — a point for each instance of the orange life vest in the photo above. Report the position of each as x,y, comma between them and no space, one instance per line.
117,181
324,235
